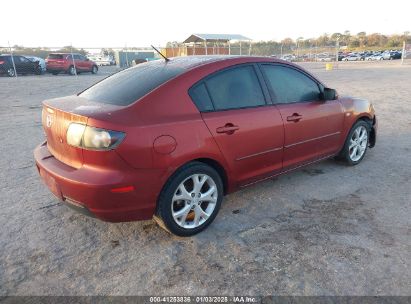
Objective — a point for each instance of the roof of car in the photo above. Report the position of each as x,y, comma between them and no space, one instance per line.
190,62
60,53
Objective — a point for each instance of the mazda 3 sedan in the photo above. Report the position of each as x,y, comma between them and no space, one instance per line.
168,139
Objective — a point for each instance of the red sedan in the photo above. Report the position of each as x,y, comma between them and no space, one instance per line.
169,139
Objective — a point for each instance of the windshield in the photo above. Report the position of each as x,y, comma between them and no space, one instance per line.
131,84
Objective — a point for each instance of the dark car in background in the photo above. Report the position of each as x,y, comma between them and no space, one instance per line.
391,55
21,65
71,64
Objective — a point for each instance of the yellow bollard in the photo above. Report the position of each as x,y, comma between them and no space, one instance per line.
328,66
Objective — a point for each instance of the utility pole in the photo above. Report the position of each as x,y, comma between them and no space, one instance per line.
403,53
337,47
12,59
72,58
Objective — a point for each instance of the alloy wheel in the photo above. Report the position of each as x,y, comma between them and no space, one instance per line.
194,201
11,72
358,143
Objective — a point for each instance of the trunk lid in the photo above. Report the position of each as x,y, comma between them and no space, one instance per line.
58,114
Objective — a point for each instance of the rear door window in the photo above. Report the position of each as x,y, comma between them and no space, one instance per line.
131,84
235,88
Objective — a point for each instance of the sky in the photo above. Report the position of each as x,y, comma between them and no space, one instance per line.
130,23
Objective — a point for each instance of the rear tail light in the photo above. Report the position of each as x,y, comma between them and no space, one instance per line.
82,136
1,62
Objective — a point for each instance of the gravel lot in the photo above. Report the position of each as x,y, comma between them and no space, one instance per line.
326,229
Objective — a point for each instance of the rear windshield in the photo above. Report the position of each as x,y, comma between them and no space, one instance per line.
130,85
55,56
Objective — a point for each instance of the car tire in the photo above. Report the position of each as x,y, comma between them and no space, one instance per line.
94,69
11,72
72,70
188,215
356,143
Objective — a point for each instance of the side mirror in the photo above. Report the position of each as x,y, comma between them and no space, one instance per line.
329,94
87,59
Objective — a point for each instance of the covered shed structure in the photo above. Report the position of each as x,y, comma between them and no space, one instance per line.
211,44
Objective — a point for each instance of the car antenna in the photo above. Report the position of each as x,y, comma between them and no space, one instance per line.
165,58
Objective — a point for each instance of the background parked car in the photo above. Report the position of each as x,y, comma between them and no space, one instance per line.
41,61
324,57
352,57
23,65
391,55
376,57
100,60
70,63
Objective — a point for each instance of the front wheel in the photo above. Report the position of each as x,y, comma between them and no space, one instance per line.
94,69
190,199
356,143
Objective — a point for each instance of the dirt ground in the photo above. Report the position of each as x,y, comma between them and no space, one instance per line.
326,229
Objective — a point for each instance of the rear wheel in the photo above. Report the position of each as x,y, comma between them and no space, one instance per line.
72,70
94,69
356,143
190,199
11,72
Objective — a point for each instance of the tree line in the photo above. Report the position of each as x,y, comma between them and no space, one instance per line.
359,41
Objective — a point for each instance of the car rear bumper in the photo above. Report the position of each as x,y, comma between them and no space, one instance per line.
56,67
95,191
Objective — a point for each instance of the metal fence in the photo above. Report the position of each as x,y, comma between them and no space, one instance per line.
123,57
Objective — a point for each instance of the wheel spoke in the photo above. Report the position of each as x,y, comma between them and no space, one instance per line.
208,196
352,144
182,214
183,195
357,133
363,135
199,214
354,152
198,181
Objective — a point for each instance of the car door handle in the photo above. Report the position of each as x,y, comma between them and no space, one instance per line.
228,129
295,117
